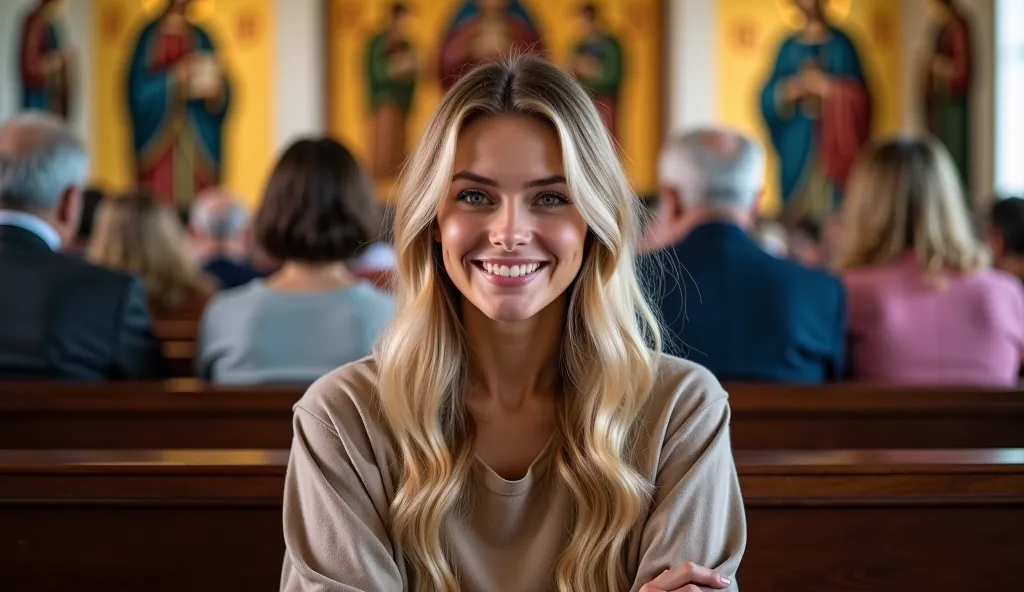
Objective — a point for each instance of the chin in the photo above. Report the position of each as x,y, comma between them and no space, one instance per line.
510,312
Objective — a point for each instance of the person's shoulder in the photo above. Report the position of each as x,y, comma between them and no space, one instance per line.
346,399
682,388
237,295
808,276
89,275
999,282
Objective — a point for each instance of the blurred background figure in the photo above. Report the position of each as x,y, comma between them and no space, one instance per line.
925,305
221,237
1006,235
744,314
60,317
314,314
44,60
139,235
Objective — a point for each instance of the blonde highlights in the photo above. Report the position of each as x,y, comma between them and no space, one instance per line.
609,352
138,235
903,197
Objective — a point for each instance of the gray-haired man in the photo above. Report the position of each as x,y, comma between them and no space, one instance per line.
60,317
741,312
221,232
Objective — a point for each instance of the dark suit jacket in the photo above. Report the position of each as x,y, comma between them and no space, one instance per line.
746,315
231,274
63,318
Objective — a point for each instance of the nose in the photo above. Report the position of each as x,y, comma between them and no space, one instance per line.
510,226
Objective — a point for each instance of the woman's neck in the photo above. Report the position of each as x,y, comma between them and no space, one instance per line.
513,362
299,276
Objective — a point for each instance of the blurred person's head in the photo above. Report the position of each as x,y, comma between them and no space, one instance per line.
318,206
43,168
1005,233
219,225
588,19
812,10
139,235
707,174
904,197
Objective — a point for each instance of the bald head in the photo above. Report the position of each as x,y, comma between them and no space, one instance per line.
715,168
40,163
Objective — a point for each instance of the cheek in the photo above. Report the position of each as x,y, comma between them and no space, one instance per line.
457,235
566,238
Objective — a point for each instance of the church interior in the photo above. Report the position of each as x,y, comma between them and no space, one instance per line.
210,210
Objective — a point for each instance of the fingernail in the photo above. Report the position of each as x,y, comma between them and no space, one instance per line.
724,580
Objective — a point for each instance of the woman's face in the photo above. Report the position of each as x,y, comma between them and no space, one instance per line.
511,236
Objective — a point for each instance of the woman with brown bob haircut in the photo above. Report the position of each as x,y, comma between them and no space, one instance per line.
313,314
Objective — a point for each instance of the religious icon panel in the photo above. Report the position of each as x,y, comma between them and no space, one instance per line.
390,63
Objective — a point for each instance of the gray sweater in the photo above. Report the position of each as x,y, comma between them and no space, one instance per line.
255,334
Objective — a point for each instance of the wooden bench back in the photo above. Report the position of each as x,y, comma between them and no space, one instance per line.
187,414
883,520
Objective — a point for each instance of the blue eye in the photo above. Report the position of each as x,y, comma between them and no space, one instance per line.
550,200
473,197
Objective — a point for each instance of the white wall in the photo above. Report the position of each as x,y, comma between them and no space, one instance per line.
692,67
916,37
301,102
76,29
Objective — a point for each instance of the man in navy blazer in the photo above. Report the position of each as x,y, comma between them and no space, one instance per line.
725,303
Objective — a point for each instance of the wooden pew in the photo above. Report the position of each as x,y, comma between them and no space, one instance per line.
865,416
175,414
178,334
188,414
211,520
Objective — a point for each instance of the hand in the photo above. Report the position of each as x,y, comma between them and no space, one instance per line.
817,82
686,578
182,70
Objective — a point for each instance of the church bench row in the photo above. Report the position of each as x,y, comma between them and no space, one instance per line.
187,414
883,520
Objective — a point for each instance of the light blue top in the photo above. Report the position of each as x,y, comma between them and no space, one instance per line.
33,224
255,334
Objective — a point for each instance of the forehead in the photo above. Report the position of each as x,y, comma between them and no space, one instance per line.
509,148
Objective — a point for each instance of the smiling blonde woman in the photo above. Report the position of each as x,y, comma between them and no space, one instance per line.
518,428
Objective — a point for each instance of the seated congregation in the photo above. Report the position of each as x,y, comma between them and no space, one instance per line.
901,287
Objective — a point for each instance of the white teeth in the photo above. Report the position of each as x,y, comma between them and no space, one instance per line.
510,271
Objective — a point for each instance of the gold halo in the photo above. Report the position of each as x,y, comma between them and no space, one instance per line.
837,11
198,10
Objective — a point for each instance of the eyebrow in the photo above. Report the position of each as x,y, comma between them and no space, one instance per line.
468,176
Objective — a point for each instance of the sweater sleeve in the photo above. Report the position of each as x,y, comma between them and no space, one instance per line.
335,512
697,513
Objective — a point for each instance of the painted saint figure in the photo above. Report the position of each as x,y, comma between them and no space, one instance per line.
44,62
391,68
597,63
178,98
947,87
818,110
484,31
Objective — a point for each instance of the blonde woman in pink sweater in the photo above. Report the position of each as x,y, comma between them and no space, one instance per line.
925,306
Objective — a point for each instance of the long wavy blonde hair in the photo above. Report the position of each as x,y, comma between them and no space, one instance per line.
904,196
608,356
137,234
